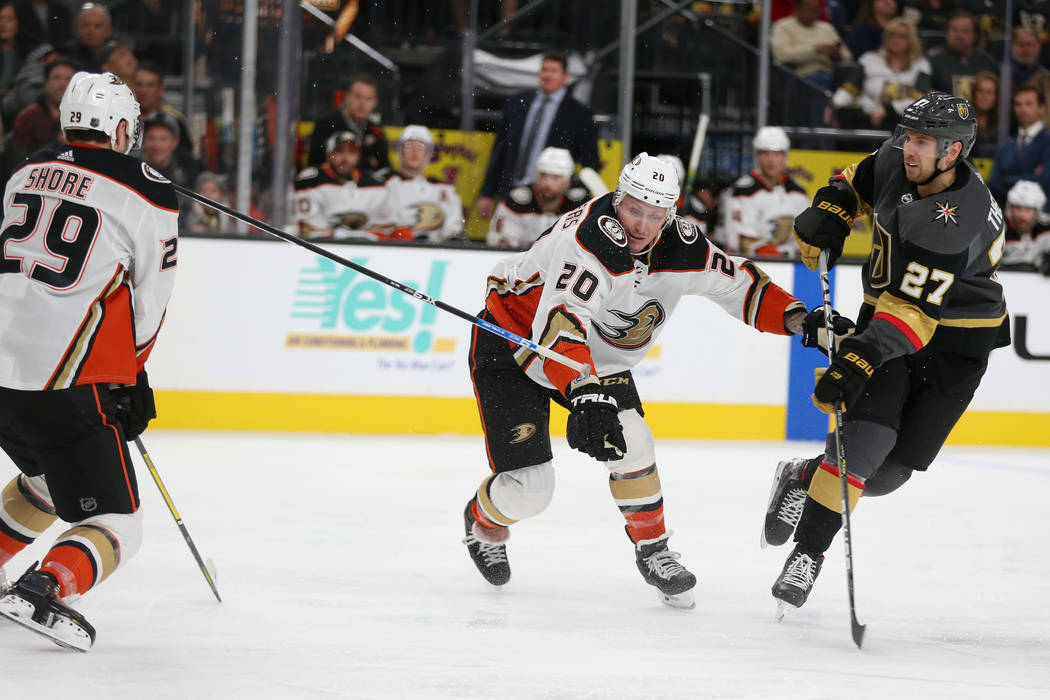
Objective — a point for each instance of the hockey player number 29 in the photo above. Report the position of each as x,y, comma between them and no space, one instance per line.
68,237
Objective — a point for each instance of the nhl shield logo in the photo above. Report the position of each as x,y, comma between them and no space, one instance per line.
88,504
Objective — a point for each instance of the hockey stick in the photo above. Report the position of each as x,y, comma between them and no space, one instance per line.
856,628
698,148
208,571
580,367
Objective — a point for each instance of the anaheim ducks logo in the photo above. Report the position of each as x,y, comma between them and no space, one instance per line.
686,230
613,229
638,329
429,217
522,432
352,220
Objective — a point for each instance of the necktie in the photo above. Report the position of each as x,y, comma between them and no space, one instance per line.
529,142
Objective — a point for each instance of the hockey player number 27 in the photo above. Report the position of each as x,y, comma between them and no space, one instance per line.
915,281
69,236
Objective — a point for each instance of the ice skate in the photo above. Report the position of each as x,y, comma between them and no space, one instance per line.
489,555
786,499
33,603
660,568
795,582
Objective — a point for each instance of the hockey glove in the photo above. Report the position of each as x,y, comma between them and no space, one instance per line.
594,426
135,406
815,332
825,224
845,378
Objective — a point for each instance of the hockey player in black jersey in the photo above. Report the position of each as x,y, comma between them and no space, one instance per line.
932,313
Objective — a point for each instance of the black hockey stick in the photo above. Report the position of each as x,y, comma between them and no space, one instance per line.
580,367
208,571
825,288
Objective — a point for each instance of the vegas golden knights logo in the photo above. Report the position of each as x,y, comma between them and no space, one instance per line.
638,327
879,259
963,109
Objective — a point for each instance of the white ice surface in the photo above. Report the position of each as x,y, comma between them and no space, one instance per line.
343,576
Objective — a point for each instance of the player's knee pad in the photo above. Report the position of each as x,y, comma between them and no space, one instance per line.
518,494
641,447
890,477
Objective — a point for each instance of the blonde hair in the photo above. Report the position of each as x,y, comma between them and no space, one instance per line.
914,47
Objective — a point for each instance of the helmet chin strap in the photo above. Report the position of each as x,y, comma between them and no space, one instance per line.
937,172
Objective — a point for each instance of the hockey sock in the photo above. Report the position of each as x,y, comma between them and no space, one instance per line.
822,514
82,556
641,502
24,515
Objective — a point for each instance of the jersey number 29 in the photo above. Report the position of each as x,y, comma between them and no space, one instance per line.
69,236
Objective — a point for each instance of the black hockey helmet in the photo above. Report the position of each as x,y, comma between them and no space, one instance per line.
946,117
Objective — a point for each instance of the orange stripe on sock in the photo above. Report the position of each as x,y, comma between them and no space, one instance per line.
72,567
645,525
9,547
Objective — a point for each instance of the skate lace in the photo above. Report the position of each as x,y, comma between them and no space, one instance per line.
791,509
491,553
665,563
802,572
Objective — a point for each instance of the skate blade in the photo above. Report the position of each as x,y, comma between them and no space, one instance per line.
783,608
64,633
678,601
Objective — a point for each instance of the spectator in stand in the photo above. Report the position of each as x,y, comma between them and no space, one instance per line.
531,209
811,48
337,200
29,82
14,46
119,60
986,106
420,207
765,202
160,149
871,20
928,15
959,60
1027,157
47,20
37,125
703,208
1041,82
1027,228
94,28
356,115
887,80
534,120
204,219
148,86
1024,56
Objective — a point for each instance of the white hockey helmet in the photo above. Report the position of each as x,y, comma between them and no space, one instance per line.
416,132
1026,193
771,138
555,161
651,180
677,163
99,102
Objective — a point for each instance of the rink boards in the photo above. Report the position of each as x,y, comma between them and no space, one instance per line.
263,335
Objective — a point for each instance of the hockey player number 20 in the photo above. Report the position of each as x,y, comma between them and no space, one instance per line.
585,283
68,237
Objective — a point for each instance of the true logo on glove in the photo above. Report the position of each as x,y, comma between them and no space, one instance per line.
837,211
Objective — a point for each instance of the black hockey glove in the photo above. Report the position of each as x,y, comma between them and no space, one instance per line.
135,406
594,427
825,224
845,378
815,332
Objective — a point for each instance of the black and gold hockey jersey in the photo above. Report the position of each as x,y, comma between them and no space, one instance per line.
930,277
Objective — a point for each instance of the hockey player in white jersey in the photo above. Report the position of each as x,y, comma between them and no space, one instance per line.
336,199
598,287
417,206
530,210
90,242
765,201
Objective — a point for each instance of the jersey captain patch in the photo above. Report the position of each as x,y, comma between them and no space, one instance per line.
613,229
945,212
151,173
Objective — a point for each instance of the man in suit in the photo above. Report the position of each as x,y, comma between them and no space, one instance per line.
532,121
1026,157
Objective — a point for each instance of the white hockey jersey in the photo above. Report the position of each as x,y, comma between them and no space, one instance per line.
759,218
519,219
430,208
579,291
327,206
88,252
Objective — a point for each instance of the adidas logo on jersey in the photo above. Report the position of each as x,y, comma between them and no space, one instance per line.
65,155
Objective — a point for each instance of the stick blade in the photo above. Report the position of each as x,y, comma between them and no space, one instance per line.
858,631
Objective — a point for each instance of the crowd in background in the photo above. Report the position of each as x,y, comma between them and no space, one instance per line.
861,60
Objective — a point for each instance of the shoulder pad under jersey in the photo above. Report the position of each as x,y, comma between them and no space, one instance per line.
601,234
520,195
682,248
312,177
745,185
948,222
